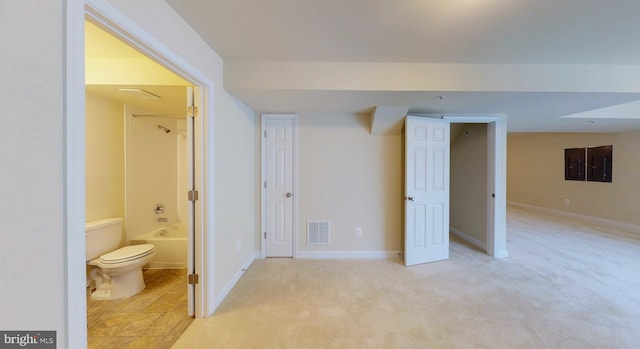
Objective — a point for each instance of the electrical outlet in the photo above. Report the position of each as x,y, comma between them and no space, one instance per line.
359,231
238,245
566,201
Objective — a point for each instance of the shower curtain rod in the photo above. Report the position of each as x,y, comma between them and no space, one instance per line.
162,115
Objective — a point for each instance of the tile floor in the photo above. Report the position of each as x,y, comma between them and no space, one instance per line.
154,318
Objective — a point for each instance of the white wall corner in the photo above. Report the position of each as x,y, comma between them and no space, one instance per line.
501,253
229,286
468,238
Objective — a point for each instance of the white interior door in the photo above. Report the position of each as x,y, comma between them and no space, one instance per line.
426,190
191,200
278,184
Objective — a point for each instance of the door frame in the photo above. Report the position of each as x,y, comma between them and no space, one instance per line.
496,179
119,25
263,178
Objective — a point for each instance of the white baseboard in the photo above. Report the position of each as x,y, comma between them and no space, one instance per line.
501,254
229,286
468,238
347,254
607,223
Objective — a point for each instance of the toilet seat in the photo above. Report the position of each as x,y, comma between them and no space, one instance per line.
127,253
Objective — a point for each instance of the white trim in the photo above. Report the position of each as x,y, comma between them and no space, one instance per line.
229,286
263,178
205,181
468,238
602,222
348,254
263,195
497,243
491,187
74,176
295,186
470,119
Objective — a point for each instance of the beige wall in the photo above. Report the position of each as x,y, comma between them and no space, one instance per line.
535,175
351,178
468,186
104,152
32,255
236,178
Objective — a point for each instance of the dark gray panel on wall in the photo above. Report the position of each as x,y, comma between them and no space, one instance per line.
574,164
600,164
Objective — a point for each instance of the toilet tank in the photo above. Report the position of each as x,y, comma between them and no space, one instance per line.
102,236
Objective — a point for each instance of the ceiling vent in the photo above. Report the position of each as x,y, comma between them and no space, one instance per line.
318,232
139,92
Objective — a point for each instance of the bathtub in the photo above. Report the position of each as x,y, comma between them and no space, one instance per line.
171,246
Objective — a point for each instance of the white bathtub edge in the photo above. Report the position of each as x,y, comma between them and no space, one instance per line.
171,250
229,286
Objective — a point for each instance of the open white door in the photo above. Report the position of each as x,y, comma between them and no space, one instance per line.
426,190
191,198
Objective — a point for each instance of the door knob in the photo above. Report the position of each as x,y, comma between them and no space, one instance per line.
289,195
410,198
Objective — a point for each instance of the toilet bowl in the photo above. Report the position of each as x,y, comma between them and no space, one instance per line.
116,272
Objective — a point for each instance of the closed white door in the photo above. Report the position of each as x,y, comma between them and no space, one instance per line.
278,184
426,190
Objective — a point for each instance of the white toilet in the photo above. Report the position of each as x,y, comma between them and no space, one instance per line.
117,272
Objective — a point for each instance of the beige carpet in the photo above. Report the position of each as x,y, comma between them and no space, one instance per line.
565,285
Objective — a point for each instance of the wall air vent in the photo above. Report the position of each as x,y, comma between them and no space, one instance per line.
318,232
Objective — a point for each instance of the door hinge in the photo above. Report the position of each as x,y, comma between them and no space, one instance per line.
265,133
192,112
265,234
193,279
265,184
192,195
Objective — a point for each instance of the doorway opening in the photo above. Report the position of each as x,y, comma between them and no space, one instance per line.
139,168
496,181
468,218
117,24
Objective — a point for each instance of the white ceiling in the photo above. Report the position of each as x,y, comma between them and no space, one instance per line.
595,35
435,31
111,65
173,99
